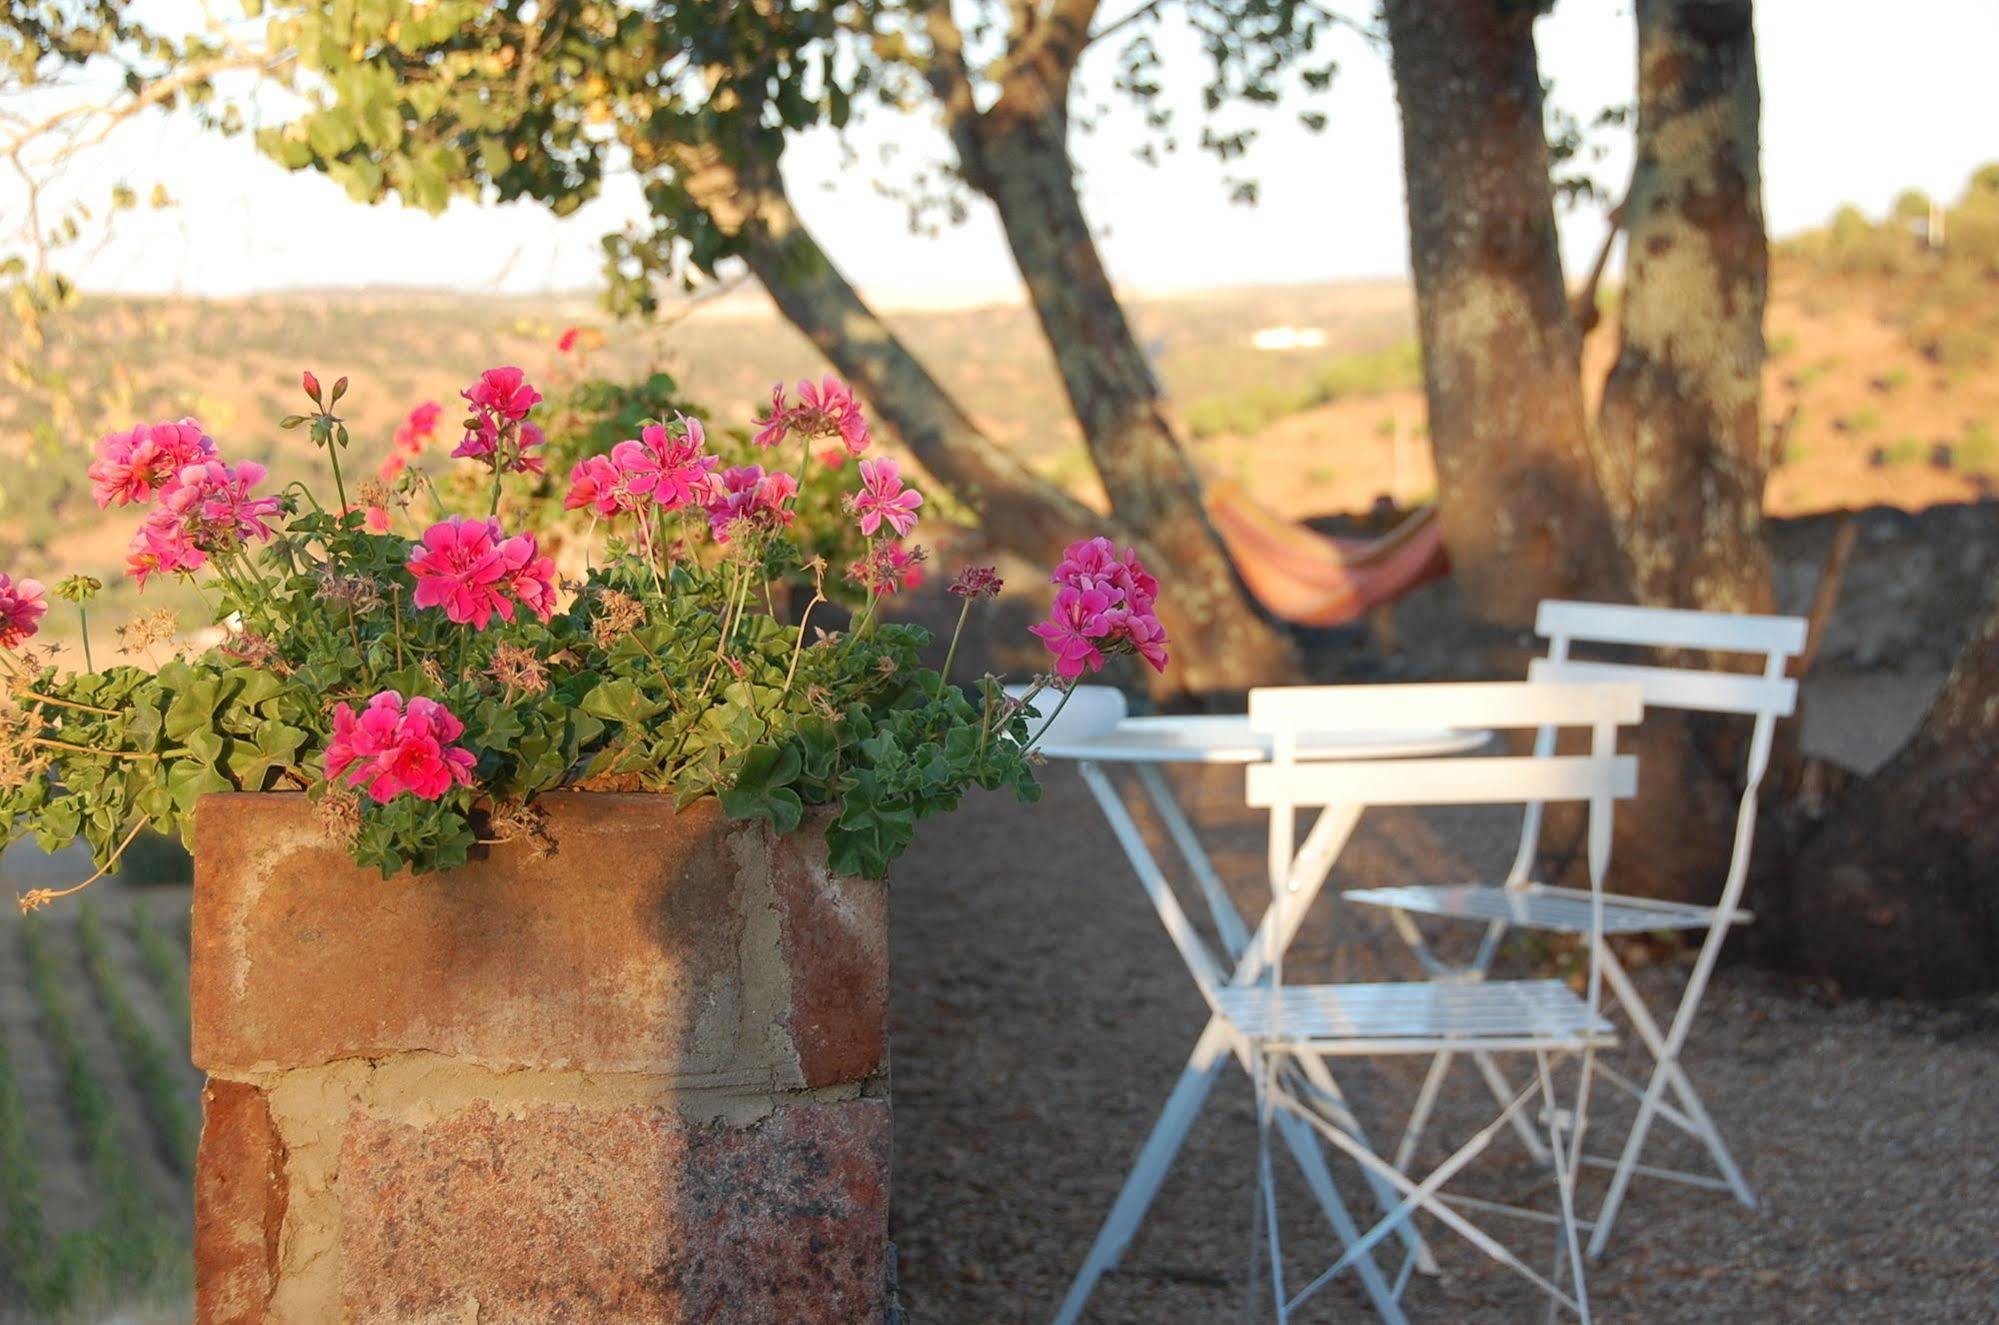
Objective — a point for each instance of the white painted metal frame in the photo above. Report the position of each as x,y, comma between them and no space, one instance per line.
1292,1031
1241,964
1522,903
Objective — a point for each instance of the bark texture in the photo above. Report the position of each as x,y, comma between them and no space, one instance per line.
1522,512
1897,892
1680,446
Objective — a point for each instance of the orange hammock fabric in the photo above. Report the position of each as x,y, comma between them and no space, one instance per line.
1310,579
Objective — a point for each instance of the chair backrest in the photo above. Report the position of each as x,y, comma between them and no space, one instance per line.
1285,784
1764,698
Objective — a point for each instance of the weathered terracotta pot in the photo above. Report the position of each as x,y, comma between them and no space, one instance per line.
643,1079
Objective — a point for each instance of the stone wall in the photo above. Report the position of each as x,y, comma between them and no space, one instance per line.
643,1079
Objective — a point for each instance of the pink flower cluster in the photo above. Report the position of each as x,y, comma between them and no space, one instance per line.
412,435
390,748
747,495
888,567
474,572
824,409
666,465
497,430
206,509
1103,607
132,466
22,603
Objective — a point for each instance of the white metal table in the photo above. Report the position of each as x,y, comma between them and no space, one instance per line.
1143,744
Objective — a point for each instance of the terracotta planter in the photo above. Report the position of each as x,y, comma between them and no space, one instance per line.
643,1079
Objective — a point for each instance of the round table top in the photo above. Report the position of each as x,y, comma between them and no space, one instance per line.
1227,739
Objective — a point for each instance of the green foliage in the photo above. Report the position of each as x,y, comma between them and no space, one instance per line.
670,671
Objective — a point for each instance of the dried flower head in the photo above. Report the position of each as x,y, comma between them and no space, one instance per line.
256,650
142,632
518,669
519,821
339,813
361,592
978,582
374,492
21,760
618,614
432,673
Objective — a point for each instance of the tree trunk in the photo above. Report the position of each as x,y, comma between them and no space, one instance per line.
1017,154
1679,449
1896,894
1681,454
1523,516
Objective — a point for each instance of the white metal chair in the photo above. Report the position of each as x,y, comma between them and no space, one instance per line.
1521,903
1292,1031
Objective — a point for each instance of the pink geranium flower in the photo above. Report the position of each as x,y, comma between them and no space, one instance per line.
1072,630
503,393
458,566
750,496
160,546
666,465
497,431
825,409
1103,607
416,432
132,466
597,483
883,499
389,748
206,509
529,576
22,603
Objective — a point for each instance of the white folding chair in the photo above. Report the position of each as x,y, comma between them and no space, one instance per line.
1292,1031
1521,903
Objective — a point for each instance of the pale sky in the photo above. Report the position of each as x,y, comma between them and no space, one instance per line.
1860,100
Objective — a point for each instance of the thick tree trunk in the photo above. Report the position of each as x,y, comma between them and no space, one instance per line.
1017,154
1681,454
1522,512
1897,892
1679,450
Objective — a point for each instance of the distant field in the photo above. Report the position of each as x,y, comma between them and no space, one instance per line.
1879,384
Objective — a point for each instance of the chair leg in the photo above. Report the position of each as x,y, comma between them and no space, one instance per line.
1334,1103
1565,1158
1419,1115
1502,1091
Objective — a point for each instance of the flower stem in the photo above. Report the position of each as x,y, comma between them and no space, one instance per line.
83,625
1035,739
951,654
339,488
799,647
40,698
37,898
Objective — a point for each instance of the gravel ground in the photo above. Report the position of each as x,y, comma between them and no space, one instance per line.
1041,1016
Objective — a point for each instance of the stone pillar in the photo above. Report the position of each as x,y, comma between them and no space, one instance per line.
644,1079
